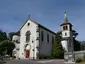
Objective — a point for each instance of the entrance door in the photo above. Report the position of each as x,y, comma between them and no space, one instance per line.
27,53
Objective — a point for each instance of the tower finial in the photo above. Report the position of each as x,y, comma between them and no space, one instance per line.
29,16
65,18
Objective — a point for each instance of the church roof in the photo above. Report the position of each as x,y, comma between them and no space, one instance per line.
38,25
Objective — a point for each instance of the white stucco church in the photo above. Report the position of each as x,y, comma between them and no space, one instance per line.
33,40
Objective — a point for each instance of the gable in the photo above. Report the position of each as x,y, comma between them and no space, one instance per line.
37,24
26,23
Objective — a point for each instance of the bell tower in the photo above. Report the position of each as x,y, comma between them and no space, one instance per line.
66,33
67,41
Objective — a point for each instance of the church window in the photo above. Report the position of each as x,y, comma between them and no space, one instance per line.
42,36
48,38
28,24
27,36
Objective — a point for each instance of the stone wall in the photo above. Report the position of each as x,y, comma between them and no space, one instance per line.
79,54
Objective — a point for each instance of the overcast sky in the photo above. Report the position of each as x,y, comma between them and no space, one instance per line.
50,13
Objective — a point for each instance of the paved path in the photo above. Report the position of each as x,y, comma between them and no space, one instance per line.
26,61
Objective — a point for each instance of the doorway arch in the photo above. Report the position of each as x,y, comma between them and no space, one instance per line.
27,50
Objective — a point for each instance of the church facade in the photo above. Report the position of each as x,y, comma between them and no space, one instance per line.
32,41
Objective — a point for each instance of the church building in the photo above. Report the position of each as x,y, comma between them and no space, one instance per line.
33,40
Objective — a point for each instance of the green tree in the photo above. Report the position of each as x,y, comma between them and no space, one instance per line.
6,45
57,48
3,35
76,43
82,45
10,35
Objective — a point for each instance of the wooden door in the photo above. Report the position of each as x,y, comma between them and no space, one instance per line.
27,53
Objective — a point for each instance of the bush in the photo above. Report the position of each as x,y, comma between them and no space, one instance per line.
84,57
7,56
78,60
1,62
13,57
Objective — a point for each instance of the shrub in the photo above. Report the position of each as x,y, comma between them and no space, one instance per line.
78,60
13,57
84,57
7,56
1,62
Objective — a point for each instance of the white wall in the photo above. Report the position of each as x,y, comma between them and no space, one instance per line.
45,47
32,29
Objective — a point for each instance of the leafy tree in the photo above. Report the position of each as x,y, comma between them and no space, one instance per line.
83,45
6,47
10,35
3,35
57,49
77,45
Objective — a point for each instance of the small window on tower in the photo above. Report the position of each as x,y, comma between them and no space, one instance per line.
65,27
65,34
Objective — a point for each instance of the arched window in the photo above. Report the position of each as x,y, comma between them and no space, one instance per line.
27,36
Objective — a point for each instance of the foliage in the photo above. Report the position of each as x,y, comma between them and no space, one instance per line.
57,48
1,62
83,45
77,45
78,60
80,44
6,45
3,35
10,35
13,57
